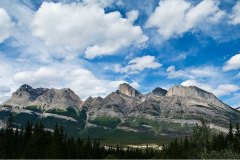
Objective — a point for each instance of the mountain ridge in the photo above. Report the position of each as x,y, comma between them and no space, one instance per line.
160,111
44,98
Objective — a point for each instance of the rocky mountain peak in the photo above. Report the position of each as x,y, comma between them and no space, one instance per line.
89,99
159,91
28,93
191,91
128,90
67,92
45,98
25,87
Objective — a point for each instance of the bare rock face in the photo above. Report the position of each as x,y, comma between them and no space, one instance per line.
186,105
113,105
128,90
159,92
93,102
116,104
25,96
193,92
44,98
62,98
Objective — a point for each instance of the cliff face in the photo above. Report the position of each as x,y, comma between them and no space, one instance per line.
128,90
193,92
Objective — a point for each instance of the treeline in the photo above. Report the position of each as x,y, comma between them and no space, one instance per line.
35,142
205,145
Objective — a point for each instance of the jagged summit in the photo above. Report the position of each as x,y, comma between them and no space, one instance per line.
44,98
159,91
128,90
27,93
25,87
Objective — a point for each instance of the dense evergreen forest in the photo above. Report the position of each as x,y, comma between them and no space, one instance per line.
35,142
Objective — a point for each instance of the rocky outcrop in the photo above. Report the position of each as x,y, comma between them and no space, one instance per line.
62,98
193,92
116,104
44,98
91,102
128,90
159,92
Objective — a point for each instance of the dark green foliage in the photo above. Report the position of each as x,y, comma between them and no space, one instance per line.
9,122
115,136
71,112
106,121
204,145
35,142
4,114
34,108
144,124
82,118
72,127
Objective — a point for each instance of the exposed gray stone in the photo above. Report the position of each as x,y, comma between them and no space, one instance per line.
128,90
159,92
44,98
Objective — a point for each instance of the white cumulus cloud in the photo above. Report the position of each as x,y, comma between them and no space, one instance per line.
235,16
67,74
193,72
132,15
101,3
6,25
41,76
138,64
81,80
85,28
198,84
173,18
221,90
233,63
226,89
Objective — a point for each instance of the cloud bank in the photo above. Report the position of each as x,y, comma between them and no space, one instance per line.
6,25
173,18
86,28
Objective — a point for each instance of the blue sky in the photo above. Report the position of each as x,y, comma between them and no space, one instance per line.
91,46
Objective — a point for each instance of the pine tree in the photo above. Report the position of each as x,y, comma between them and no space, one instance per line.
230,136
9,123
185,147
237,139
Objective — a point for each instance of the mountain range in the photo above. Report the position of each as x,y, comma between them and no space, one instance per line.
160,112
